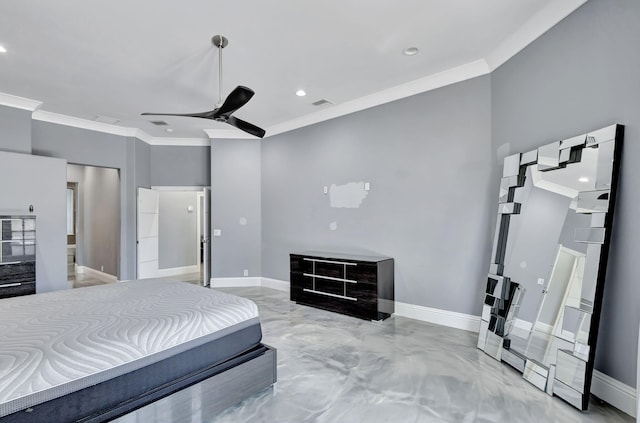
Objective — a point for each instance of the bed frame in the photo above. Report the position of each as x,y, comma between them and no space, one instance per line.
196,382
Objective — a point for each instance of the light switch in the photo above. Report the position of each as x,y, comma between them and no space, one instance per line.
540,281
217,232
326,189
367,186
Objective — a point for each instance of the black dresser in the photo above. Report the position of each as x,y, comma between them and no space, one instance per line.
360,286
17,255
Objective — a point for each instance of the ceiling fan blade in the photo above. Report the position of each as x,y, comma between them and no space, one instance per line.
236,99
246,126
205,115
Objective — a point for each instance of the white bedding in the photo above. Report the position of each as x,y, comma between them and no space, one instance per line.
56,343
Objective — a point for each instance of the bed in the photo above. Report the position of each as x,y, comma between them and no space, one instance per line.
149,350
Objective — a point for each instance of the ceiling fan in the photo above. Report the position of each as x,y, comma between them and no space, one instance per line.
223,111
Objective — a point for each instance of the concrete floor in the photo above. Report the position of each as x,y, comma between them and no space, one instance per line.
80,280
334,368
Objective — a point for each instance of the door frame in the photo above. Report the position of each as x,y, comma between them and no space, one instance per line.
200,232
71,239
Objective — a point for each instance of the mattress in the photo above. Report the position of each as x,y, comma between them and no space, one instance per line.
56,343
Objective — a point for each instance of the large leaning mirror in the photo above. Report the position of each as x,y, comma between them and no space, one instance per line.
543,296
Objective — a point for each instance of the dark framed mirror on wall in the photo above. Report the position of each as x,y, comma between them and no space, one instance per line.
541,309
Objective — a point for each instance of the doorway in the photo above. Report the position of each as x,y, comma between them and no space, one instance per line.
93,225
173,233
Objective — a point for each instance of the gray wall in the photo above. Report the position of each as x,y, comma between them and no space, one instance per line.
582,75
177,243
40,181
81,146
98,217
428,161
15,130
142,164
235,207
180,166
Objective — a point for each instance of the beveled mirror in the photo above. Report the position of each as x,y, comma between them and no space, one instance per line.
543,296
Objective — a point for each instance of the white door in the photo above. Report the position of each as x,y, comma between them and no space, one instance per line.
148,204
206,234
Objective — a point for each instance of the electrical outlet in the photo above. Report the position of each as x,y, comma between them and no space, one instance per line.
540,281
217,232
367,186
246,272
102,268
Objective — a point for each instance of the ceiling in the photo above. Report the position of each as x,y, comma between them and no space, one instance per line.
101,63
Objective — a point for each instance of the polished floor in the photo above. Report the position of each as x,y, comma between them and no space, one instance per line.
334,368
79,280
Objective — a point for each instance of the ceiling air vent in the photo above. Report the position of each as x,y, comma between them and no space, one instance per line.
321,102
159,122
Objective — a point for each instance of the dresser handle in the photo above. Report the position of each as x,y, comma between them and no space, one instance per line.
328,294
331,278
9,285
10,262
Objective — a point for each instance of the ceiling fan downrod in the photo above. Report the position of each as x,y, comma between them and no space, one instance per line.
220,42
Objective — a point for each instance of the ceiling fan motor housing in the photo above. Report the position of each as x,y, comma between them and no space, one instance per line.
220,41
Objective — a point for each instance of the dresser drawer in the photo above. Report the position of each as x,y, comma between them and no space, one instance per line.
363,272
17,289
18,272
20,250
355,307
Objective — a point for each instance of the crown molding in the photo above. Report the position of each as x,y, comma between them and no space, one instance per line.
181,142
75,122
537,25
171,141
421,85
19,102
122,131
229,134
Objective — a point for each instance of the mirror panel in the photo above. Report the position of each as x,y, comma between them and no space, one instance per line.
543,292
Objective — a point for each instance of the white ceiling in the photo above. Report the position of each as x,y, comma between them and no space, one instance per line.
115,60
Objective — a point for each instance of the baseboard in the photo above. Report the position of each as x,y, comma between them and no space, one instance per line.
276,284
105,277
243,282
614,392
176,271
451,319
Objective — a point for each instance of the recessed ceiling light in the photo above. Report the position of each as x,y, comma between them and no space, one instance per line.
410,51
301,93
583,179
2,49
